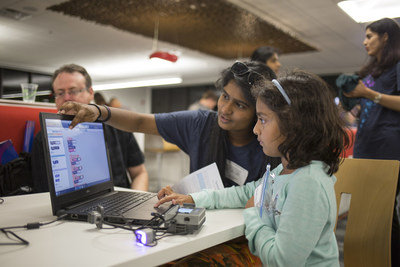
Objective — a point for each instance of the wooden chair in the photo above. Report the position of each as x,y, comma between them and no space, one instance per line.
161,148
372,185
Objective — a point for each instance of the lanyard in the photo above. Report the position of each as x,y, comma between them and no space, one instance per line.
264,188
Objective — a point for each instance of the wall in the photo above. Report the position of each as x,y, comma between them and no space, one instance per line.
177,98
11,79
134,99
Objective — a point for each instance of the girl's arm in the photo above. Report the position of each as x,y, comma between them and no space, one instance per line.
231,197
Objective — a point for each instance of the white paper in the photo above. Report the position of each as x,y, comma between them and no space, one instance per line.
207,177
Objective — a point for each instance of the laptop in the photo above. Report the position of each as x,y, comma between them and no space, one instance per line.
80,177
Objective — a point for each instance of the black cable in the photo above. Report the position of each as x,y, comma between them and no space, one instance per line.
117,226
130,226
154,224
6,232
171,234
28,226
23,189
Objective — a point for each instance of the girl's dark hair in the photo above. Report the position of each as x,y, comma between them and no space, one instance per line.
390,51
218,146
311,123
263,53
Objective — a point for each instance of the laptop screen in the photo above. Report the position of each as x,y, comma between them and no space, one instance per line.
78,156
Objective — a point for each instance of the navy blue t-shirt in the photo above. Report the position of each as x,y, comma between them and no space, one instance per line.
378,133
190,131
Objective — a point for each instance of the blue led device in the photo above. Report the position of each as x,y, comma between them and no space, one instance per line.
145,236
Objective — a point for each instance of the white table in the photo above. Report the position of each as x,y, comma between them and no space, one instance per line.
67,243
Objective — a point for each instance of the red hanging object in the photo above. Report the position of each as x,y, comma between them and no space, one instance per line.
164,55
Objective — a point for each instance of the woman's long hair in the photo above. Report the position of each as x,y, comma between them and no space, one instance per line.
218,143
390,53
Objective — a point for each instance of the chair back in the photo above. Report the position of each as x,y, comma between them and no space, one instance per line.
13,117
372,185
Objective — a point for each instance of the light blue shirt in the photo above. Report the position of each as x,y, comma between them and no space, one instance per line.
300,230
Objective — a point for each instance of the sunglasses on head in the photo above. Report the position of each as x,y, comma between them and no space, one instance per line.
240,69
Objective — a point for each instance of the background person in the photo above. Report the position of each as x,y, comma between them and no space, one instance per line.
295,226
207,101
224,137
73,83
99,99
378,131
267,55
115,103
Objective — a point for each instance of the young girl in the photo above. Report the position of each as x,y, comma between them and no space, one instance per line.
224,137
291,213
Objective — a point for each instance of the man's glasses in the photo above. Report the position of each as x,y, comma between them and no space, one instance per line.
240,69
72,92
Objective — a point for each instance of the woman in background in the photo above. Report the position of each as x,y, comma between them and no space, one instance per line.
378,131
99,99
267,55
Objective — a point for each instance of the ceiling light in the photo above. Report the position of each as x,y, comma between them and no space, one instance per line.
143,83
370,10
164,55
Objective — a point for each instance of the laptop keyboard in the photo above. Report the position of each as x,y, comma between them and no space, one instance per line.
119,203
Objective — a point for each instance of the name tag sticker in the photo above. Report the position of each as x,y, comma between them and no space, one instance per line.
235,172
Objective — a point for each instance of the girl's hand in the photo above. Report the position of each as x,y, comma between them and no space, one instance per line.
82,112
167,194
250,203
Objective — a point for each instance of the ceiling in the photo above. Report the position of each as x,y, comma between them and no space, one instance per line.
48,39
196,24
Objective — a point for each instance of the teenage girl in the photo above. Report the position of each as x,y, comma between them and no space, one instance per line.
290,214
224,137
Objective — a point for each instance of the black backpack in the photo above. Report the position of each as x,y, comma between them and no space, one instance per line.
16,176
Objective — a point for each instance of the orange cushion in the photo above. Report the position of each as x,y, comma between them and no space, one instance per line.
13,120
352,134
